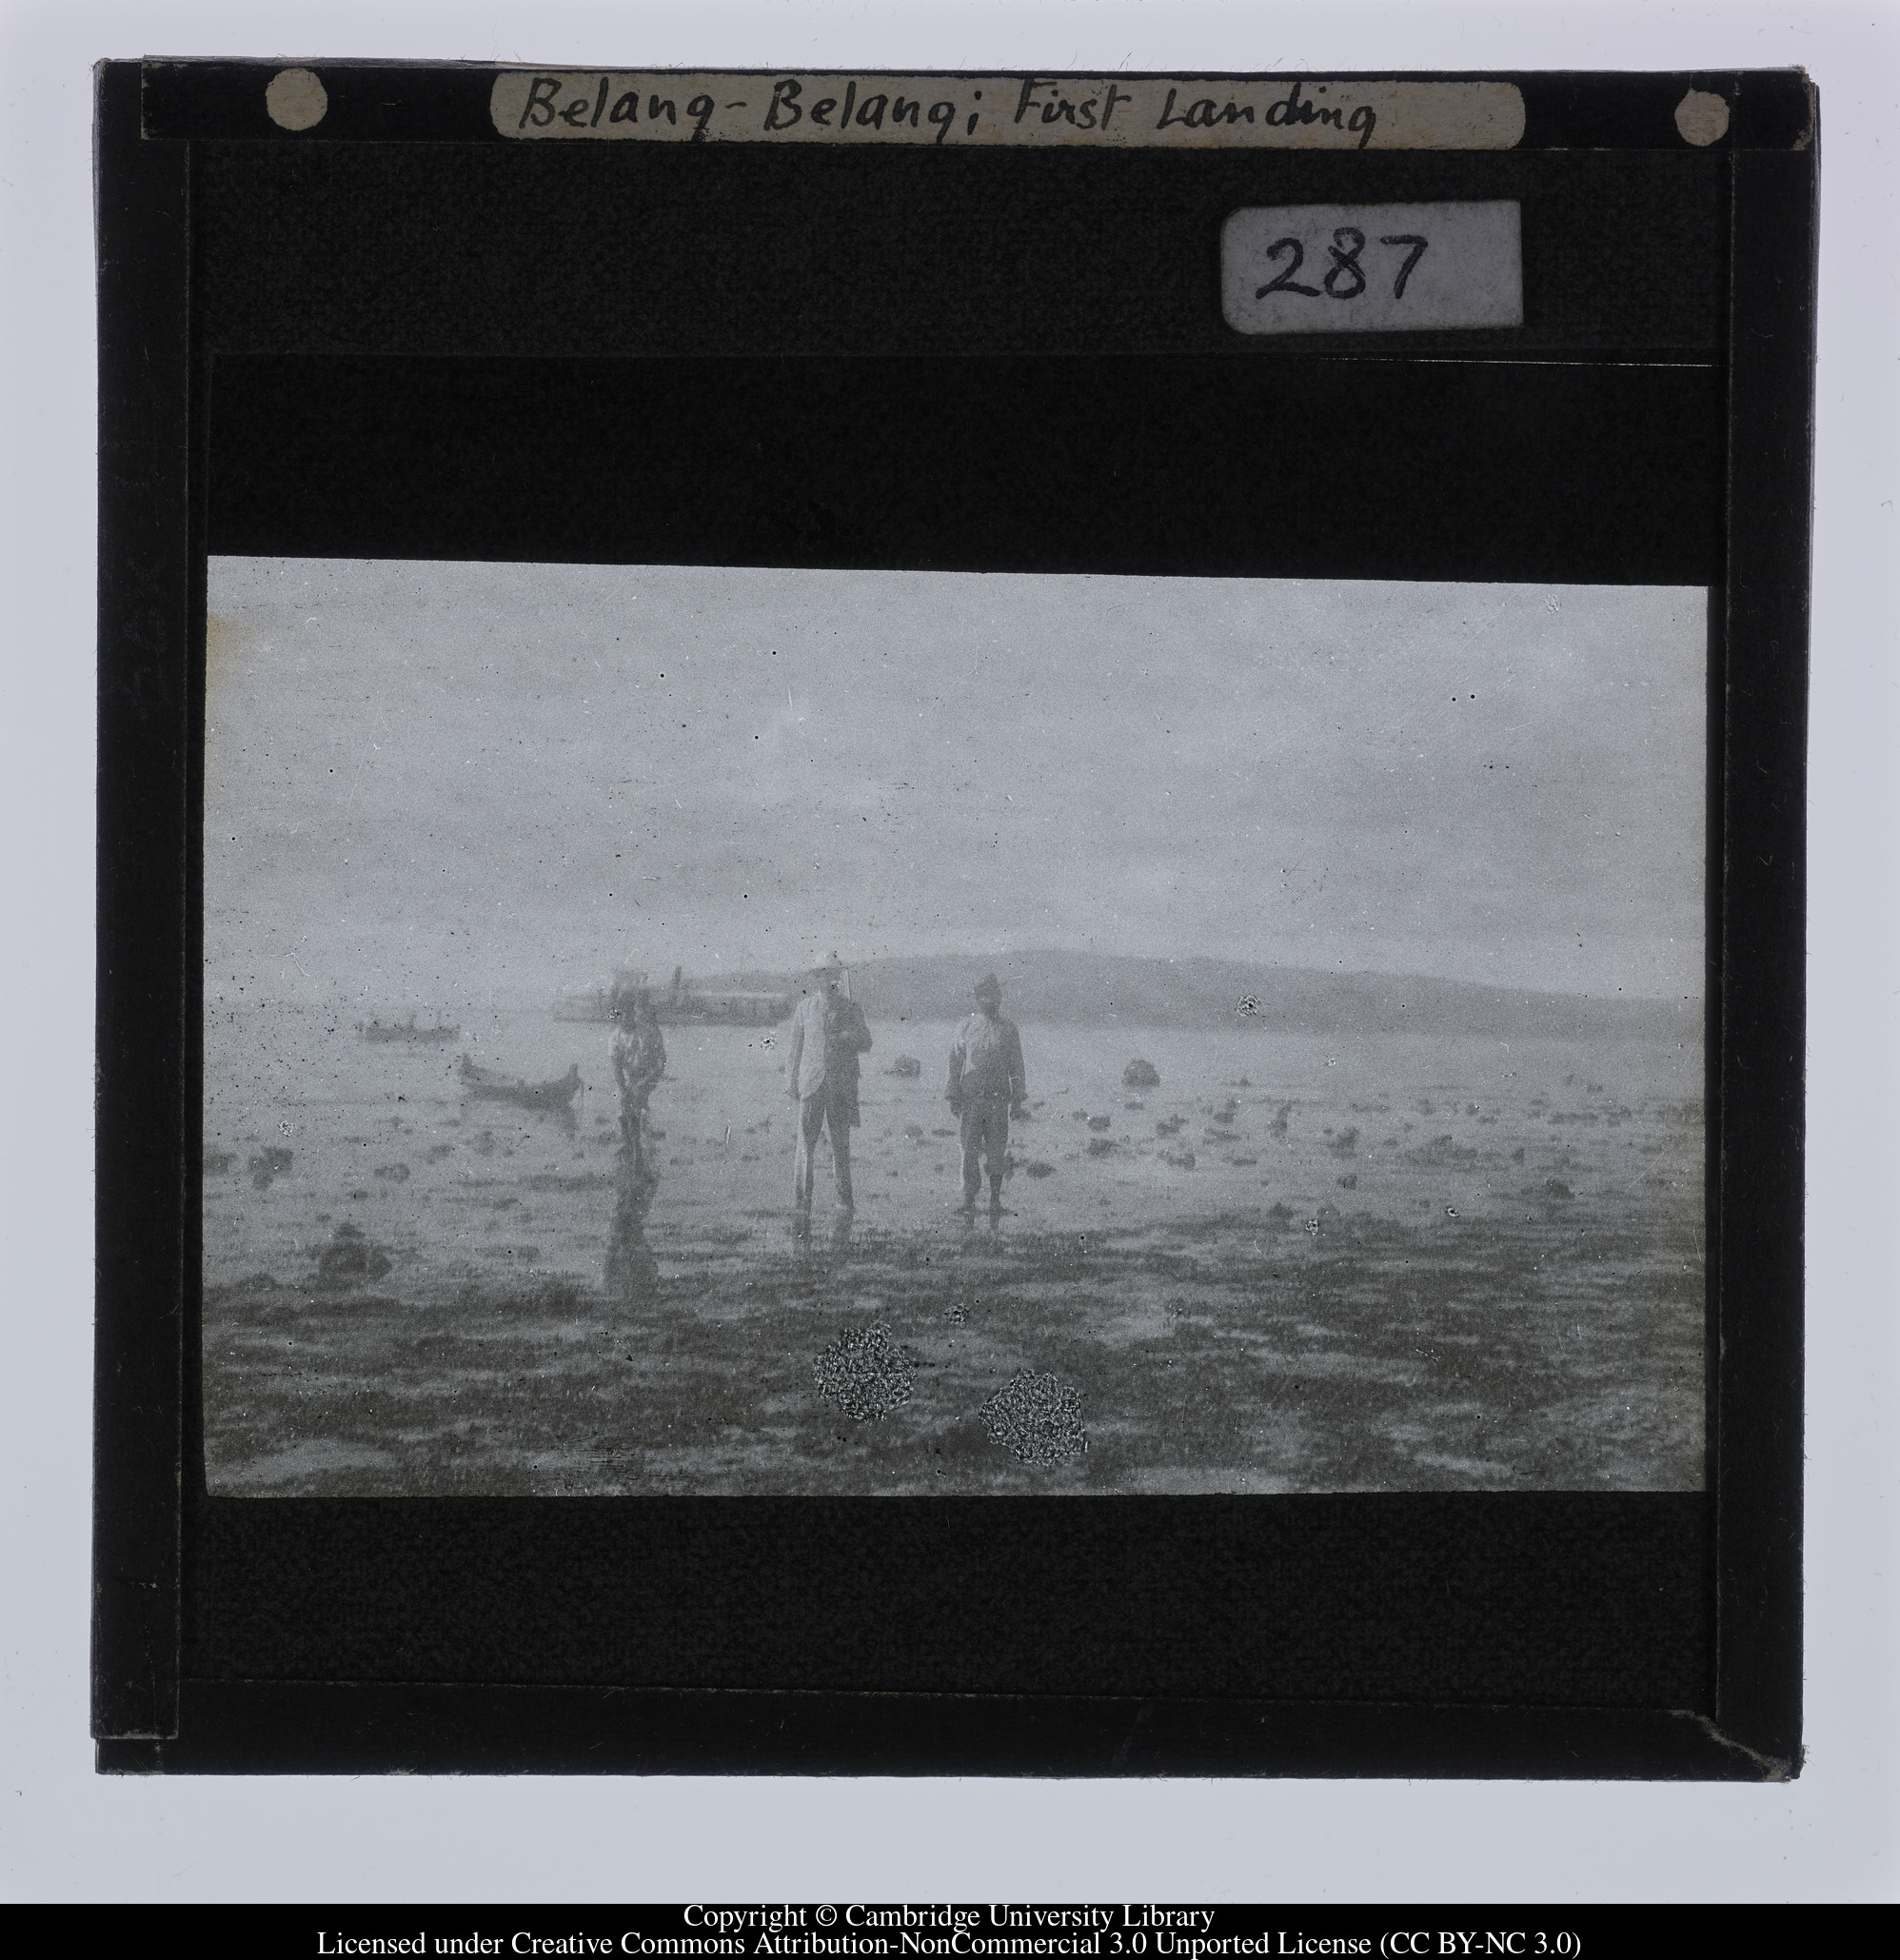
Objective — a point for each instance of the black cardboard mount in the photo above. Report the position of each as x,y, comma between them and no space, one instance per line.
400,335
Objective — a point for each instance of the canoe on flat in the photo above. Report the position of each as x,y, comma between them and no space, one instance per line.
489,1086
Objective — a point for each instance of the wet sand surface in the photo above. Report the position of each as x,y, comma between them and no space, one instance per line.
1397,1265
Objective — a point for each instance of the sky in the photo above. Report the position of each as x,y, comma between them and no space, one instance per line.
433,783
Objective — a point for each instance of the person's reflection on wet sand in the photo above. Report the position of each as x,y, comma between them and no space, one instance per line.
631,1274
638,1058
810,1246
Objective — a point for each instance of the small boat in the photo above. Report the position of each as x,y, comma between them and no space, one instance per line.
487,1084
405,1031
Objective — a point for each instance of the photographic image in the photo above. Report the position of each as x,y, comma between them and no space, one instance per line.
700,1030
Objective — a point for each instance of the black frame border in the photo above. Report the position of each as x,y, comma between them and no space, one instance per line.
148,1716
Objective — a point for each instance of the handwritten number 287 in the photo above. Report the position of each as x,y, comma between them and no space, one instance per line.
1346,278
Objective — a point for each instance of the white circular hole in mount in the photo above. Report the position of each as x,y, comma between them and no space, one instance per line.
1702,118
297,100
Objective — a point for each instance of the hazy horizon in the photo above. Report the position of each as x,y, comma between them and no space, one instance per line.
532,994
435,783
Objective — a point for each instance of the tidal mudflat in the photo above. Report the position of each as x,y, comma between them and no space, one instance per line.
1290,1265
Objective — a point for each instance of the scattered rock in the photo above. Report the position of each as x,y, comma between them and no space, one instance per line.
393,1173
1279,1217
1517,1154
1134,1103
436,1152
865,1372
218,1163
907,1066
1100,1122
1170,1125
914,1132
1442,1153
1079,1116
1349,1183
350,1257
1345,1144
1240,1082
1038,1169
1140,1075
942,1133
1279,1122
1102,1146
1553,1191
269,1163
1182,1159
1242,1160
1037,1418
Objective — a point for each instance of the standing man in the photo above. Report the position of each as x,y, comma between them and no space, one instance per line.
829,1034
639,1057
987,1089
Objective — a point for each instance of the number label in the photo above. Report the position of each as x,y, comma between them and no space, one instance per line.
1371,269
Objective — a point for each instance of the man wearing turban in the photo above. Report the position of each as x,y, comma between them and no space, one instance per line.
987,1089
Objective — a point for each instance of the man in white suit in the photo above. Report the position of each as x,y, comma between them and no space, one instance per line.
828,1034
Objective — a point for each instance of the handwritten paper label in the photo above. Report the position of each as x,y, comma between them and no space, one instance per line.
1110,111
1371,268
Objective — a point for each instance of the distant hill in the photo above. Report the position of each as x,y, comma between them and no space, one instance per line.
1090,990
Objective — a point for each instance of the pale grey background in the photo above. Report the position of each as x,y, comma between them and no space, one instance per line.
65,1834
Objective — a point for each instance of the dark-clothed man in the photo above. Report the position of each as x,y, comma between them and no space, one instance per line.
828,1034
987,1089
639,1057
